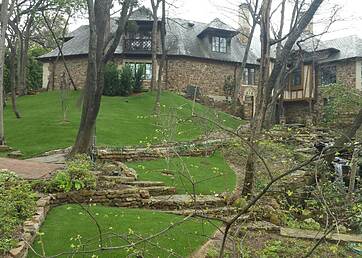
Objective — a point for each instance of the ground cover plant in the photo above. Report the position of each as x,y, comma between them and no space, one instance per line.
209,175
75,227
17,203
121,121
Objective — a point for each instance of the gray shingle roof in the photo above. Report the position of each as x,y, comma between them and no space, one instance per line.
349,47
181,39
218,25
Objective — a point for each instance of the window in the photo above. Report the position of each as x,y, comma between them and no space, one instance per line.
148,69
249,76
219,44
328,75
296,77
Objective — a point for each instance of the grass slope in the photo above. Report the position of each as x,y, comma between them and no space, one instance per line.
210,175
121,121
64,223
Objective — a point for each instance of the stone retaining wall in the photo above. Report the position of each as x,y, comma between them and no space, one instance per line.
30,228
195,148
128,197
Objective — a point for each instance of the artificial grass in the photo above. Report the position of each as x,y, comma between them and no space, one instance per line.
209,175
69,225
121,121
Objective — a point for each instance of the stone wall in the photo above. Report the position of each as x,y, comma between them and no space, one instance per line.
128,197
195,148
77,67
345,72
207,74
296,112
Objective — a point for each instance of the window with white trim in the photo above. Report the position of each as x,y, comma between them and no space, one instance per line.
147,67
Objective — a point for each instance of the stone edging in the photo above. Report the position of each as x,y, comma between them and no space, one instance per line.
30,228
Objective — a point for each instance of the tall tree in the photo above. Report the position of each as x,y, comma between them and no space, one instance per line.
163,58
4,19
154,45
268,82
102,45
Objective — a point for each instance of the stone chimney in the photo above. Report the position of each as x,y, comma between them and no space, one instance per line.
244,22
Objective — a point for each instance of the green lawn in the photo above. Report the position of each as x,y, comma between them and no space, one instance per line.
210,175
65,223
122,121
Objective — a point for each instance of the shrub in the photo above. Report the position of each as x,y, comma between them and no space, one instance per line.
126,81
76,176
123,82
341,101
138,78
17,203
111,80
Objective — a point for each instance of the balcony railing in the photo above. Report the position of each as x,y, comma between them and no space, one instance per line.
138,45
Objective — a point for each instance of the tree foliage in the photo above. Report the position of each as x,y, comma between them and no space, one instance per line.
340,101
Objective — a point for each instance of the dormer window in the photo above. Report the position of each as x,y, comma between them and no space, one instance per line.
219,44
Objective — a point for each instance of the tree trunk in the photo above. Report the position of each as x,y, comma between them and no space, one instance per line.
99,31
21,67
94,81
239,79
12,71
257,121
4,24
154,44
163,58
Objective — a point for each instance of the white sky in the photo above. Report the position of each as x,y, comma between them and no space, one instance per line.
349,17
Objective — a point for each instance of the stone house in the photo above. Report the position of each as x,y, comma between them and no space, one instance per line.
198,54
322,63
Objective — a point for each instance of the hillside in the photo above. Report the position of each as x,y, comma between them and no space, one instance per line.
122,121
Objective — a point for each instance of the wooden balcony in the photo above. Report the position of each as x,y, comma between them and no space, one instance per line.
137,45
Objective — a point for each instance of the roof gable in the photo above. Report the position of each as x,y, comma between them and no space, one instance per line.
216,26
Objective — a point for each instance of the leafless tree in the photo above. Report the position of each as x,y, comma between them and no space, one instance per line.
154,45
269,79
163,58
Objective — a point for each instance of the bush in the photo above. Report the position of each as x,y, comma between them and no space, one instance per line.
17,203
341,101
122,82
111,80
76,176
138,79
126,81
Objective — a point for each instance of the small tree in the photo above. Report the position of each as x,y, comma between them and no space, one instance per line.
126,81
138,78
111,80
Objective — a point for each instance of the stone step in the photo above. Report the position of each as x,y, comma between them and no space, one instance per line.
159,190
146,183
178,202
116,179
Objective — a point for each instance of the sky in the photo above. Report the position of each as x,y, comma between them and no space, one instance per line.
349,16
